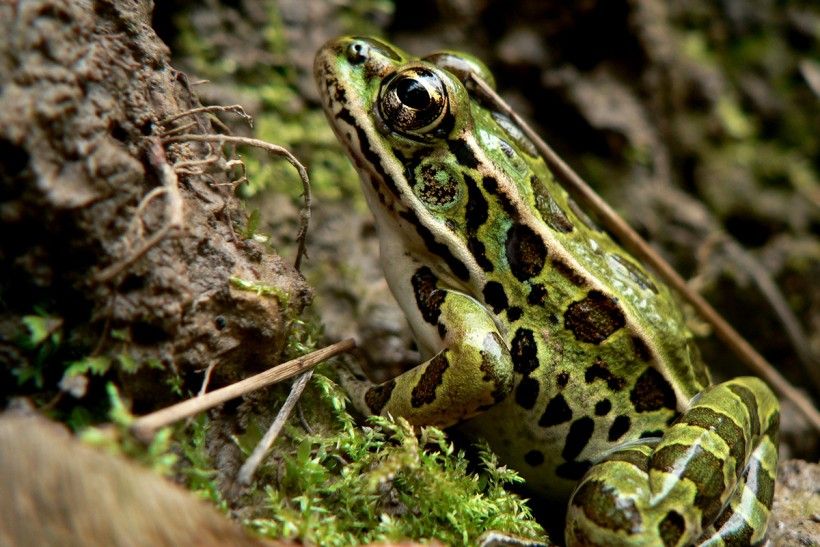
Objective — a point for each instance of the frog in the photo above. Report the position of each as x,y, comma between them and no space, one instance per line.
537,332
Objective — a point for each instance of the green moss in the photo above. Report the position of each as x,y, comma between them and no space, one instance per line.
285,117
117,439
40,334
342,484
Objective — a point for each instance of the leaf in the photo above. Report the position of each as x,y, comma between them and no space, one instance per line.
98,366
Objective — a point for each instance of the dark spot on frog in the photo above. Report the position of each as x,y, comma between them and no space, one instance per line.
526,394
742,532
377,396
436,247
562,379
703,469
633,456
595,318
526,252
495,296
372,157
524,352
765,483
553,319
429,298
547,207
557,412
708,419
567,272
750,402
671,528
580,431
603,506
514,313
479,252
641,349
619,427
572,470
424,392
476,215
599,371
652,392
603,407
534,458
463,153
538,295
220,322
442,330
653,434
491,186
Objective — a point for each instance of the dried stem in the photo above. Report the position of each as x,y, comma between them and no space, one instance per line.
304,214
248,468
632,241
146,426
233,108
771,292
173,211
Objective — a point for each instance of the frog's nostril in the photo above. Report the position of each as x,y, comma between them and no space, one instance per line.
356,53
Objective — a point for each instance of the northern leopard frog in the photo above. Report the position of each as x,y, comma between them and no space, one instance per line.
539,333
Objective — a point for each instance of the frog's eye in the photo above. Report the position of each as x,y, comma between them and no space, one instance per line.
413,101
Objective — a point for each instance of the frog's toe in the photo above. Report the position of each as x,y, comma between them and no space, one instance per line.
354,381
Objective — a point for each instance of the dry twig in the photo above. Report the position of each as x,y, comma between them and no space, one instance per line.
248,468
173,211
233,108
637,245
146,426
304,213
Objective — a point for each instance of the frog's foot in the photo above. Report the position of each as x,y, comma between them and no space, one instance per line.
711,476
354,381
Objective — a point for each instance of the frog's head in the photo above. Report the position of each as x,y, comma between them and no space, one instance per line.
404,121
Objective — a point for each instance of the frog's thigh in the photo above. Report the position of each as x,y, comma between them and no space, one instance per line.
668,494
471,373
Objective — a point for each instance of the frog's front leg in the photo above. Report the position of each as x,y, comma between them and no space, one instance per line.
712,471
471,372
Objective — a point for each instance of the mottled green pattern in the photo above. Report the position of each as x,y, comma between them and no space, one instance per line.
539,333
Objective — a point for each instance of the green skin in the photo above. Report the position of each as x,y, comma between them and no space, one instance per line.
539,333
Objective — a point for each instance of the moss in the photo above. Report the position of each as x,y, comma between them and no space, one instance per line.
341,484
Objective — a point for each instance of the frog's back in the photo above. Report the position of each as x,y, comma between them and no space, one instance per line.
601,347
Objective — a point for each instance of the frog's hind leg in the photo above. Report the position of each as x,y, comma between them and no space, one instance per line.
713,470
743,520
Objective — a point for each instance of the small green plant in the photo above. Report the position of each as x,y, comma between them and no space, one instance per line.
117,438
344,485
41,335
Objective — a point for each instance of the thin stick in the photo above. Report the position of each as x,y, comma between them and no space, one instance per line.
771,292
304,214
173,211
234,108
643,251
248,468
145,426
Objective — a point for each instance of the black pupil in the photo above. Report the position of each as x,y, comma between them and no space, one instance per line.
411,93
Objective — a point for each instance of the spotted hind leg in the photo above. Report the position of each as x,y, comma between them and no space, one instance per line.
743,520
712,471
